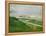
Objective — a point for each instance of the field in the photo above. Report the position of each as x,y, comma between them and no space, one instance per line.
25,25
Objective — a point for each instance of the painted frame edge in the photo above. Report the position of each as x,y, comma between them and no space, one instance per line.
22,2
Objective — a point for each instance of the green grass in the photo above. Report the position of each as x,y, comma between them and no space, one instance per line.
35,21
19,26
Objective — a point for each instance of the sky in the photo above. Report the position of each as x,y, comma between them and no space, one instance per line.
17,9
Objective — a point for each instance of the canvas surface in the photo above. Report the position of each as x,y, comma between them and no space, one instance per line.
25,18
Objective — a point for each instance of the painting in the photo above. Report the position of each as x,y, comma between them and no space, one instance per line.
25,17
